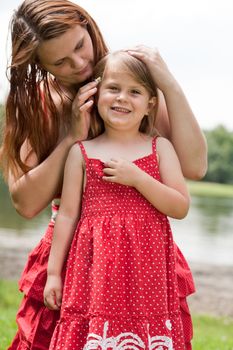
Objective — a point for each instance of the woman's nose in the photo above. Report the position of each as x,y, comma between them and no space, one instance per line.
77,62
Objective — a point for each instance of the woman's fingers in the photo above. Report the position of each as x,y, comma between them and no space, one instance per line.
86,105
86,92
83,97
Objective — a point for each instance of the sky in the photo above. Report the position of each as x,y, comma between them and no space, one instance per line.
193,36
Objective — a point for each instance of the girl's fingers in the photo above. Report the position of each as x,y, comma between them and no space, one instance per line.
109,171
58,299
109,178
111,163
50,302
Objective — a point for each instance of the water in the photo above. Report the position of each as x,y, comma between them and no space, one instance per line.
204,236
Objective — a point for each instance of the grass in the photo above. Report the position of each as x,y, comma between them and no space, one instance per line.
212,333
9,303
210,189
209,333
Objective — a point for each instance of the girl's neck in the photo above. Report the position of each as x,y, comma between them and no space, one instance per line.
123,137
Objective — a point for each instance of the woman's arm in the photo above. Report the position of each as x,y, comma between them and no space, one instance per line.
169,197
182,129
176,120
33,191
66,222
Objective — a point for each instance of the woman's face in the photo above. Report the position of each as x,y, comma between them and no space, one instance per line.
69,57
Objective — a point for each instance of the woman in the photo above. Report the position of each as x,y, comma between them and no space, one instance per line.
55,45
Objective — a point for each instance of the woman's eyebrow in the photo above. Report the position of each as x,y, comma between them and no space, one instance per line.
75,46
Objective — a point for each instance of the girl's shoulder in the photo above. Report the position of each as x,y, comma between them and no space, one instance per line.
89,144
165,148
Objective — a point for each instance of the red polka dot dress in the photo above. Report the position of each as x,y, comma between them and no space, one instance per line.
121,288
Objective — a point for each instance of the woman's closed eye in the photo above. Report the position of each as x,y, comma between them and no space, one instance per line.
59,63
79,45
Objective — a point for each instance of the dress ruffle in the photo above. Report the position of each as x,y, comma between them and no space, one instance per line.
98,332
34,275
36,324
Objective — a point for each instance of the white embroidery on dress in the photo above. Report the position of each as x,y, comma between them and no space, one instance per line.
168,325
159,342
126,341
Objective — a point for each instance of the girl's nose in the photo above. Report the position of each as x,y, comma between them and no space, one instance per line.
121,96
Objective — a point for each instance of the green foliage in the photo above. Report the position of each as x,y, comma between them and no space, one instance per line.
220,155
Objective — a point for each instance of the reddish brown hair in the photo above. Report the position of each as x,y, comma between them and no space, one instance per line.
33,22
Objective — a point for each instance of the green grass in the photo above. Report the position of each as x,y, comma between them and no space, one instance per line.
9,303
209,333
212,333
210,189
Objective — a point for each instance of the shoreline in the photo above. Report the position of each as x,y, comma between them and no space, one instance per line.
214,283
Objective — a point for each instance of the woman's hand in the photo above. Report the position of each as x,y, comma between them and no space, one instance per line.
53,292
81,111
155,63
121,171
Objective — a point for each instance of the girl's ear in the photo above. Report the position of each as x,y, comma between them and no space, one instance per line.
152,103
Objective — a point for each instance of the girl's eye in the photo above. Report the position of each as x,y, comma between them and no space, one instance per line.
113,88
136,92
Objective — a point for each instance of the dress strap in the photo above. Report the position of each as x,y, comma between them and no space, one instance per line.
154,143
84,153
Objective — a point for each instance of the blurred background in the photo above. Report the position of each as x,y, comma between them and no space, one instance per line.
195,39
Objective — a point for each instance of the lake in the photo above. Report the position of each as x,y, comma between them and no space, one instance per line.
204,236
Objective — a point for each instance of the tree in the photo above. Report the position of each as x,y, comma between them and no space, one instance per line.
220,155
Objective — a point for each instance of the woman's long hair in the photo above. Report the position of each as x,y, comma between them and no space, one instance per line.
140,73
26,105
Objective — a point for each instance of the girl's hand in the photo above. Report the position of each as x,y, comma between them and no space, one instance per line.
81,111
155,63
121,171
53,292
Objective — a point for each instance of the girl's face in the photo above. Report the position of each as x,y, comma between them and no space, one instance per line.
69,57
122,100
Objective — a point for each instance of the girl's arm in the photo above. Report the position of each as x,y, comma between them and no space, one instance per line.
176,120
65,225
169,197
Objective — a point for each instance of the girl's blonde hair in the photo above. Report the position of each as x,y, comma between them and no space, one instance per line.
140,73
34,22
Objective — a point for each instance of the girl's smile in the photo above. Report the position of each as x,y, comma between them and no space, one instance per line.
122,102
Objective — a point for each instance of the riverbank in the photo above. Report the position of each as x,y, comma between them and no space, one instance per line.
214,284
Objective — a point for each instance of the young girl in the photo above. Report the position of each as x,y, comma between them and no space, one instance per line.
120,290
